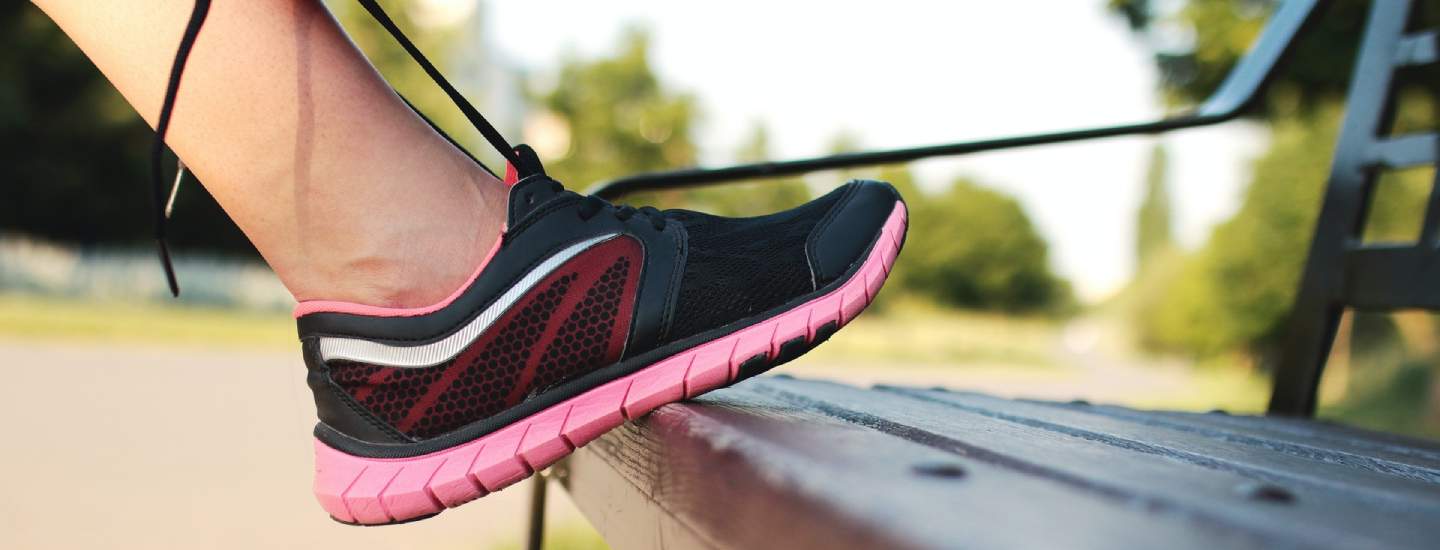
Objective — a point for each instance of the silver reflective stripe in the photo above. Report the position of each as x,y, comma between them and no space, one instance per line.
434,353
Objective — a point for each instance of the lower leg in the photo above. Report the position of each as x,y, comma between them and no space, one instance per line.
346,192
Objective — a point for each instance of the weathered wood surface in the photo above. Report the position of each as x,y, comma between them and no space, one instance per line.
785,463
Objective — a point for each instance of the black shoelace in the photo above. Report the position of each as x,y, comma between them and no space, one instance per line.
157,149
590,206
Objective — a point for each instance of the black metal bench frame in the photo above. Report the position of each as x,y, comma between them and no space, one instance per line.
1341,271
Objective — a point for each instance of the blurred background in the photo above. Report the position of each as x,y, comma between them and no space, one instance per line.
1150,272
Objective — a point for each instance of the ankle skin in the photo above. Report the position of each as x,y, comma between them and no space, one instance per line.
407,260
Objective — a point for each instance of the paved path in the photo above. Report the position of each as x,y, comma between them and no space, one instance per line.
147,447
193,447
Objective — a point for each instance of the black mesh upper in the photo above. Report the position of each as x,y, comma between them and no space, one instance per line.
738,267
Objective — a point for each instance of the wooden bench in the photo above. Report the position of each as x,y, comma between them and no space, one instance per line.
777,462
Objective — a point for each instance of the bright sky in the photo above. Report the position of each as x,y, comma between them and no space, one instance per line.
910,72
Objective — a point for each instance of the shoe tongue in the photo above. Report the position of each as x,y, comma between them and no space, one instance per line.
529,186
529,194
527,163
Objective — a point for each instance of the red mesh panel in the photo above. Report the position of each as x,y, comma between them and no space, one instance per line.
389,393
593,333
572,322
487,371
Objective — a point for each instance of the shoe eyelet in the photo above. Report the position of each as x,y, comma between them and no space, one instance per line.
529,199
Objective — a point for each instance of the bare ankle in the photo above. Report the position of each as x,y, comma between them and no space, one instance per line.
406,281
409,260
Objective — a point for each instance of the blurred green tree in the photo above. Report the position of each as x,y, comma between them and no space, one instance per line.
974,247
620,118
74,157
968,246
1235,292
1198,41
1153,233
898,175
752,198
75,162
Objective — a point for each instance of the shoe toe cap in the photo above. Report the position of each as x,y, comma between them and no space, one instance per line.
844,235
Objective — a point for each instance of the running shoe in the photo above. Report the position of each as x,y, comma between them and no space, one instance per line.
585,314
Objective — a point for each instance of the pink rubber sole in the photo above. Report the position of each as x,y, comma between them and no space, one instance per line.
372,491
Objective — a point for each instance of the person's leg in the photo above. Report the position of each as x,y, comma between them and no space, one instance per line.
592,314
345,191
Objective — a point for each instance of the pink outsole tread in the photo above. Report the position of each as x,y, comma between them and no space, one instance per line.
372,491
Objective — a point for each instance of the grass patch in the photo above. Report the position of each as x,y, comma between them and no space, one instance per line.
1231,388
914,334
29,317
567,536
1395,403
941,340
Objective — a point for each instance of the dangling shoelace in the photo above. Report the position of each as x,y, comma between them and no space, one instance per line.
163,203
591,204
157,149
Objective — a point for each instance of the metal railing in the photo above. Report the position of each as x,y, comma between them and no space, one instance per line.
1340,272
1237,93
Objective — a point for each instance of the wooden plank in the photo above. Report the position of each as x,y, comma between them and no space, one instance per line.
1359,480
630,518
1215,498
752,467
1325,430
1306,437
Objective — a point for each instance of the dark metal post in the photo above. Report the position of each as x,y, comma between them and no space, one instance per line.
1321,299
535,539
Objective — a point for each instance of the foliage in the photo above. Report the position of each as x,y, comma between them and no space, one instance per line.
968,246
82,174
33,318
1384,372
751,198
569,535
75,157
1153,233
620,118
1198,43
974,247
911,331
1234,293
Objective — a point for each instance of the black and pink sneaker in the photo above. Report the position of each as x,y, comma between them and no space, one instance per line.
584,315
